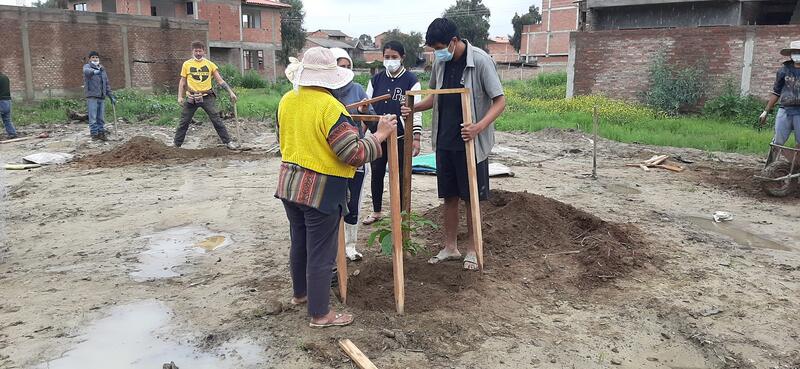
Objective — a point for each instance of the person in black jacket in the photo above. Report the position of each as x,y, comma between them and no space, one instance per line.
97,88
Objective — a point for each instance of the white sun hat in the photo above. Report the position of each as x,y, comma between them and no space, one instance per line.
339,53
793,46
319,69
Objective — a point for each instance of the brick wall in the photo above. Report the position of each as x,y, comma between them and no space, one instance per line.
502,52
11,59
616,63
58,42
551,37
223,20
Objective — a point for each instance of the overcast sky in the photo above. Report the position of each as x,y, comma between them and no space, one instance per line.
372,17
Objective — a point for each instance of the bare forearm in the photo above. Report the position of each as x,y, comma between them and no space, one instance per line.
771,102
425,104
181,88
497,108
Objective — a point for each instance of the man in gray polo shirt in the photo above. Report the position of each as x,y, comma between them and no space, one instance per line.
458,64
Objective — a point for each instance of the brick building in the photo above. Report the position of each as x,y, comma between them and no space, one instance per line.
245,33
501,50
547,43
330,38
44,50
614,56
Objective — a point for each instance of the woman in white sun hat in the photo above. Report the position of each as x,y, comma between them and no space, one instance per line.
786,90
321,150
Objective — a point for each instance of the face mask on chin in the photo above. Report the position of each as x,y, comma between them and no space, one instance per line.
796,57
198,58
96,63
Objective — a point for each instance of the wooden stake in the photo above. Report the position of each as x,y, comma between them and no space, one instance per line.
365,117
441,91
407,159
358,357
474,200
595,119
341,264
368,101
397,229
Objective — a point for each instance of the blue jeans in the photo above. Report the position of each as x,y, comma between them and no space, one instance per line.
784,125
97,111
5,111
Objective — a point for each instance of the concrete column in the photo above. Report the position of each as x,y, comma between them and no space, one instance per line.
274,65
747,66
196,7
571,68
26,59
126,57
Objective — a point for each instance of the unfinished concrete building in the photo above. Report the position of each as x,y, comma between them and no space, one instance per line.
598,15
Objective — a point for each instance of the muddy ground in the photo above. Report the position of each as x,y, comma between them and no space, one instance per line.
132,261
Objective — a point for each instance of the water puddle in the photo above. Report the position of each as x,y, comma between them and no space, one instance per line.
170,248
621,189
739,236
135,336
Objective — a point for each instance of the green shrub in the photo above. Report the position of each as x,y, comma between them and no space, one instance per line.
72,104
732,106
231,74
362,79
547,86
673,90
251,79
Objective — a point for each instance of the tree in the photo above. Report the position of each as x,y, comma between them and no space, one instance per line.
293,35
366,40
472,19
532,17
411,42
58,4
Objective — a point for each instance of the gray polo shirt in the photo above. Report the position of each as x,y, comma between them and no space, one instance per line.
480,76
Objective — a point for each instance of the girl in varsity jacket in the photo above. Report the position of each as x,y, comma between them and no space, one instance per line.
395,81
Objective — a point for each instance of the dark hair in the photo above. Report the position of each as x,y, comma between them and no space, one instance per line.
198,45
93,53
441,31
396,46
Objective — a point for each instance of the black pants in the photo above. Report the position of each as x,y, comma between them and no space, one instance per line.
379,172
354,187
315,237
209,104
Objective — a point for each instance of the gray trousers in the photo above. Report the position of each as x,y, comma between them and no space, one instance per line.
209,104
784,125
315,237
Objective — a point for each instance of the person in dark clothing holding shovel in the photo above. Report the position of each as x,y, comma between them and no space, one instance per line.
786,90
97,88
195,87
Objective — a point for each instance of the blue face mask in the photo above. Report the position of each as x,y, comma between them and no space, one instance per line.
444,54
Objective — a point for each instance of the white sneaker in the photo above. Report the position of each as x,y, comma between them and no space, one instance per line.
232,145
350,241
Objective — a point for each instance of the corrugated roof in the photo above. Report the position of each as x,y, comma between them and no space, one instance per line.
267,3
327,42
333,32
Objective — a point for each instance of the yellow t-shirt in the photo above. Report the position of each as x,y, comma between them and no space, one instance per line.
198,74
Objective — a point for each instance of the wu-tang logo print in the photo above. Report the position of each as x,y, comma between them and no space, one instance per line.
200,75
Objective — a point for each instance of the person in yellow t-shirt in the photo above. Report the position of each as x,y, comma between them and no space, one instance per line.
196,74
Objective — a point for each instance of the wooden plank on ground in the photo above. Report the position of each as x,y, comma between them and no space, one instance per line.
368,101
670,167
474,199
341,264
358,357
397,229
18,139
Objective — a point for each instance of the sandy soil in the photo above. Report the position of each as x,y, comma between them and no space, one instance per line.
77,240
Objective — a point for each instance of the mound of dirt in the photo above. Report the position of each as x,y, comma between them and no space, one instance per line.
532,241
738,180
141,149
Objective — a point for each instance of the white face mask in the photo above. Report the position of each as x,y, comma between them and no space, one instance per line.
392,65
96,63
796,57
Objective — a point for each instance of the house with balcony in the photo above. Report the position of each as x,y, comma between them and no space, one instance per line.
244,33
